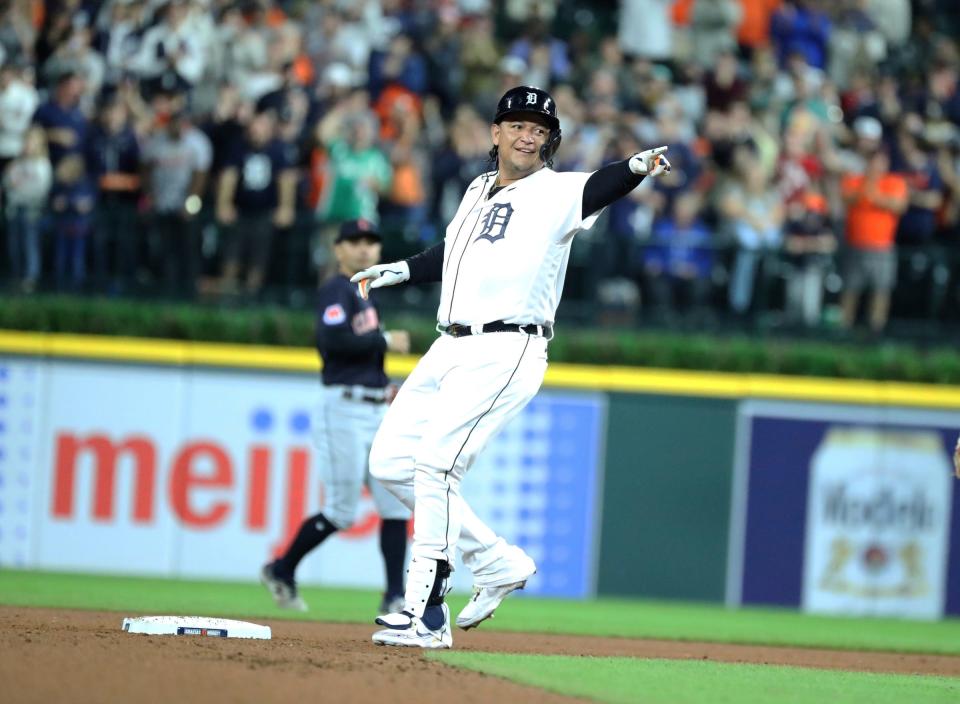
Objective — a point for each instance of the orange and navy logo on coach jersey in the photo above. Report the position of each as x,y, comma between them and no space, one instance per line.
334,314
365,321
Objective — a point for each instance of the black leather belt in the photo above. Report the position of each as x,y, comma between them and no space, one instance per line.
458,330
371,397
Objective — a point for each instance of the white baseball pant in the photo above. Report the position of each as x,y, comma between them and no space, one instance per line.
343,432
460,395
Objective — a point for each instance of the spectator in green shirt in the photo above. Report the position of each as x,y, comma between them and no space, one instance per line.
358,172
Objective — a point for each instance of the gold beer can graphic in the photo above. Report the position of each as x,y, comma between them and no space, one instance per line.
878,518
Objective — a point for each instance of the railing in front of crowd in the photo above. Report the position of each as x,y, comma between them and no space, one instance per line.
610,282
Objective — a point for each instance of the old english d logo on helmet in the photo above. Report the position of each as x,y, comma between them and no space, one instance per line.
534,100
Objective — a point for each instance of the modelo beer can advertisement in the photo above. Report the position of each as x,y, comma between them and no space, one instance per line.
878,510
849,510
206,473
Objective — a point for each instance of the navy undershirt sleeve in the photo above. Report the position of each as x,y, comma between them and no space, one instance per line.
607,184
426,267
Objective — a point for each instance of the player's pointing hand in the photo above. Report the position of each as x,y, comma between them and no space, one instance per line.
380,275
650,162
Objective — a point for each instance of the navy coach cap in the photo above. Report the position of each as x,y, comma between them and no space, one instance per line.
356,229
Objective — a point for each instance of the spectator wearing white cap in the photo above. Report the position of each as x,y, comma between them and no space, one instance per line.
336,83
338,75
868,128
865,137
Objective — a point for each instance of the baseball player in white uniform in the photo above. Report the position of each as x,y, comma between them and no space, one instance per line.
502,266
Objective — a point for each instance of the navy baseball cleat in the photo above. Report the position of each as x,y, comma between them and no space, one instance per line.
282,588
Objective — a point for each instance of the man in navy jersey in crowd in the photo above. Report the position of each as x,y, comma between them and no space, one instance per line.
256,194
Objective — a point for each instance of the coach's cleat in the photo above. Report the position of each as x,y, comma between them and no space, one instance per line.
391,604
486,599
405,629
282,588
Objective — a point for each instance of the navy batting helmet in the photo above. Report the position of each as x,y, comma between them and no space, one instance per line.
532,100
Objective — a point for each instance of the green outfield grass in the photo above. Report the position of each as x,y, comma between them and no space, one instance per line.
630,680
602,679
603,617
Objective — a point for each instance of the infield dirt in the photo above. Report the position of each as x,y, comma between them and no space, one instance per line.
53,655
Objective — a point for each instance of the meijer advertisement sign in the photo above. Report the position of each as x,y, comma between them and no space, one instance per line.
194,472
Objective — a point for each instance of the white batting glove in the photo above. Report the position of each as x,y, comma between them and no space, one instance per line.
650,163
380,275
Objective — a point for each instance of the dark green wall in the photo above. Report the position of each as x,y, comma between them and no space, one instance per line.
666,493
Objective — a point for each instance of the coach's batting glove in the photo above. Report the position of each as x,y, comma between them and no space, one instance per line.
650,163
380,275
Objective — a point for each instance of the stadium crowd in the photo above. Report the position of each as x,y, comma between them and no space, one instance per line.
195,148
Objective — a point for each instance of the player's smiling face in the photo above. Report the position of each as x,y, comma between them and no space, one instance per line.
518,139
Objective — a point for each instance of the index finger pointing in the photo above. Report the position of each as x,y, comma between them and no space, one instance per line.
659,150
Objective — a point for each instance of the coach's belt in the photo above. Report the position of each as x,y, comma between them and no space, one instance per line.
367,395
458,330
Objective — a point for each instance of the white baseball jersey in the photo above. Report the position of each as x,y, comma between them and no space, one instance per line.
505,257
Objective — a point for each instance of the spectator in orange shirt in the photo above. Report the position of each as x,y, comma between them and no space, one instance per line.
754,29
875,201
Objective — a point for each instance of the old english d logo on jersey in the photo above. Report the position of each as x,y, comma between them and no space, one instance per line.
495,222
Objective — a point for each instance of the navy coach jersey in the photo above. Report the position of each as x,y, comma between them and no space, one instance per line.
348,336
